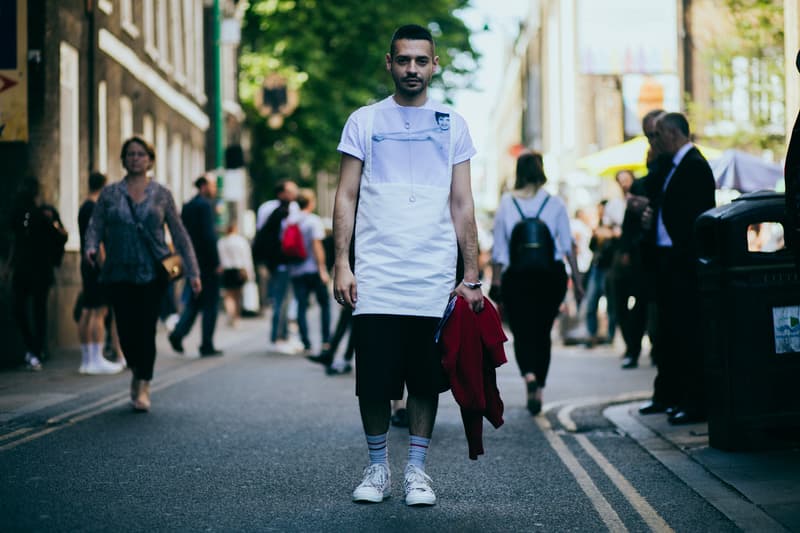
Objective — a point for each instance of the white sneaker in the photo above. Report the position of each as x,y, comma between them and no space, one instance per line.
376,485
417,486
282,347
102,366
32,362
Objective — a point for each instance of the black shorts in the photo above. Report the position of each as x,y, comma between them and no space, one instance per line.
94,292
392,350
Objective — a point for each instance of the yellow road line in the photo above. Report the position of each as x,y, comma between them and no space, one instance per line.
607,513
645,510
20,431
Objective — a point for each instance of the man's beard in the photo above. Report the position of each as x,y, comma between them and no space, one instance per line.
410,91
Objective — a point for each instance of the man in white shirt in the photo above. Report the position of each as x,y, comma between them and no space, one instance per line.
405,171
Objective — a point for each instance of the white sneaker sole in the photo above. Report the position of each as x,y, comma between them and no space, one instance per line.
421,499
371,496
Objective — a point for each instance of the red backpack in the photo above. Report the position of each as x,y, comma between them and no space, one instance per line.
292,244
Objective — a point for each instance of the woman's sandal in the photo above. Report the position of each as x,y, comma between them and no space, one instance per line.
534,403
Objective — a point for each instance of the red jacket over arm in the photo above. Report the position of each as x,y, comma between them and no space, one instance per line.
472,348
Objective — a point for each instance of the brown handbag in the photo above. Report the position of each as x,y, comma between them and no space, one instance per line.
173,265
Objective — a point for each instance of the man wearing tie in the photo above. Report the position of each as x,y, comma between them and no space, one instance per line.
686,192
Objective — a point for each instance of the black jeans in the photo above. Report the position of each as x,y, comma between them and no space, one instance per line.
136,308
531,305
303,286
30,312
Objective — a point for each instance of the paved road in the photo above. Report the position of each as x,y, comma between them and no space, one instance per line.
265,442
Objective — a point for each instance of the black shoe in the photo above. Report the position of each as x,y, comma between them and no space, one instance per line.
400,418
209,351
685,417
175,342
629,362
651,408
322,359
333,371
534,403
672,410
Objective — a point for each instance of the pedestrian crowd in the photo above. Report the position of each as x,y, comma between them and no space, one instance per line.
402,261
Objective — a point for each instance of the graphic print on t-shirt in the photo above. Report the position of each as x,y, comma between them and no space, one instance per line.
411,145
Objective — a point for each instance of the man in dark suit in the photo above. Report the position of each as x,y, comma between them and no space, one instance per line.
198,217
686,191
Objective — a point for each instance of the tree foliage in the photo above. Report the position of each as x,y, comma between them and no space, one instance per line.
332,53
747,76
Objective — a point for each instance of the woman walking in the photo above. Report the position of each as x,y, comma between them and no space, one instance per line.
129,221
531,297
236,261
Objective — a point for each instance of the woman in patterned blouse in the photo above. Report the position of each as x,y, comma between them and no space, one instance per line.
129,220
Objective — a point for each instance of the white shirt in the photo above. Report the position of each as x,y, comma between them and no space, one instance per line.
662,235
234,252
405,241
266,209
313,229
554,215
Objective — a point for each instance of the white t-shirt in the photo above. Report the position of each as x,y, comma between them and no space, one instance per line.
313,229
234,252
405,241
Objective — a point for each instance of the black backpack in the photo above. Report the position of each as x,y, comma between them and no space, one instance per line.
267,242
531,247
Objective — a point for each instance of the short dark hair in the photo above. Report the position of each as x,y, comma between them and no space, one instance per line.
530,170
655,113
200,182
676,121
280,186
411,32
97,181
151,152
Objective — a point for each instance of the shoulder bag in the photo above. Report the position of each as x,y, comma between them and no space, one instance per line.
172,264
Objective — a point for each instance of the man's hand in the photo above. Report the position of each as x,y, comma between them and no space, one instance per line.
91,258
197,286
344,286
324,277
474,297
647,217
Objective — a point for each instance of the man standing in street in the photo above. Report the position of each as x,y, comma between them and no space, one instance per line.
198,217
404,195
686,192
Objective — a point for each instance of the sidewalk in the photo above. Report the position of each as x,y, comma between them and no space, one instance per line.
758,491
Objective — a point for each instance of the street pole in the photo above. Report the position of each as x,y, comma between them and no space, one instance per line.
218,118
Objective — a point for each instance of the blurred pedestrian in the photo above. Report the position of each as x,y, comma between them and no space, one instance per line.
603,245
94,303
198,216
310,276
531,296
267,251
686,191
409,213
37,247
129,221
237,269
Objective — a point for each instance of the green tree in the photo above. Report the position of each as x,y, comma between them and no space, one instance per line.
745,60
332,54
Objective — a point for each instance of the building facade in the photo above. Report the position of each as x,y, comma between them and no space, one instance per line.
98,71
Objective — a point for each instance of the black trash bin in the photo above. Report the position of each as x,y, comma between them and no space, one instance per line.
751,325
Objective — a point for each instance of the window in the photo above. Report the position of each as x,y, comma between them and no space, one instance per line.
69,142
125,118
200,79
176,167
148,128
188,42
126,17
148,28
161,35
161,152
176,33
102,127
